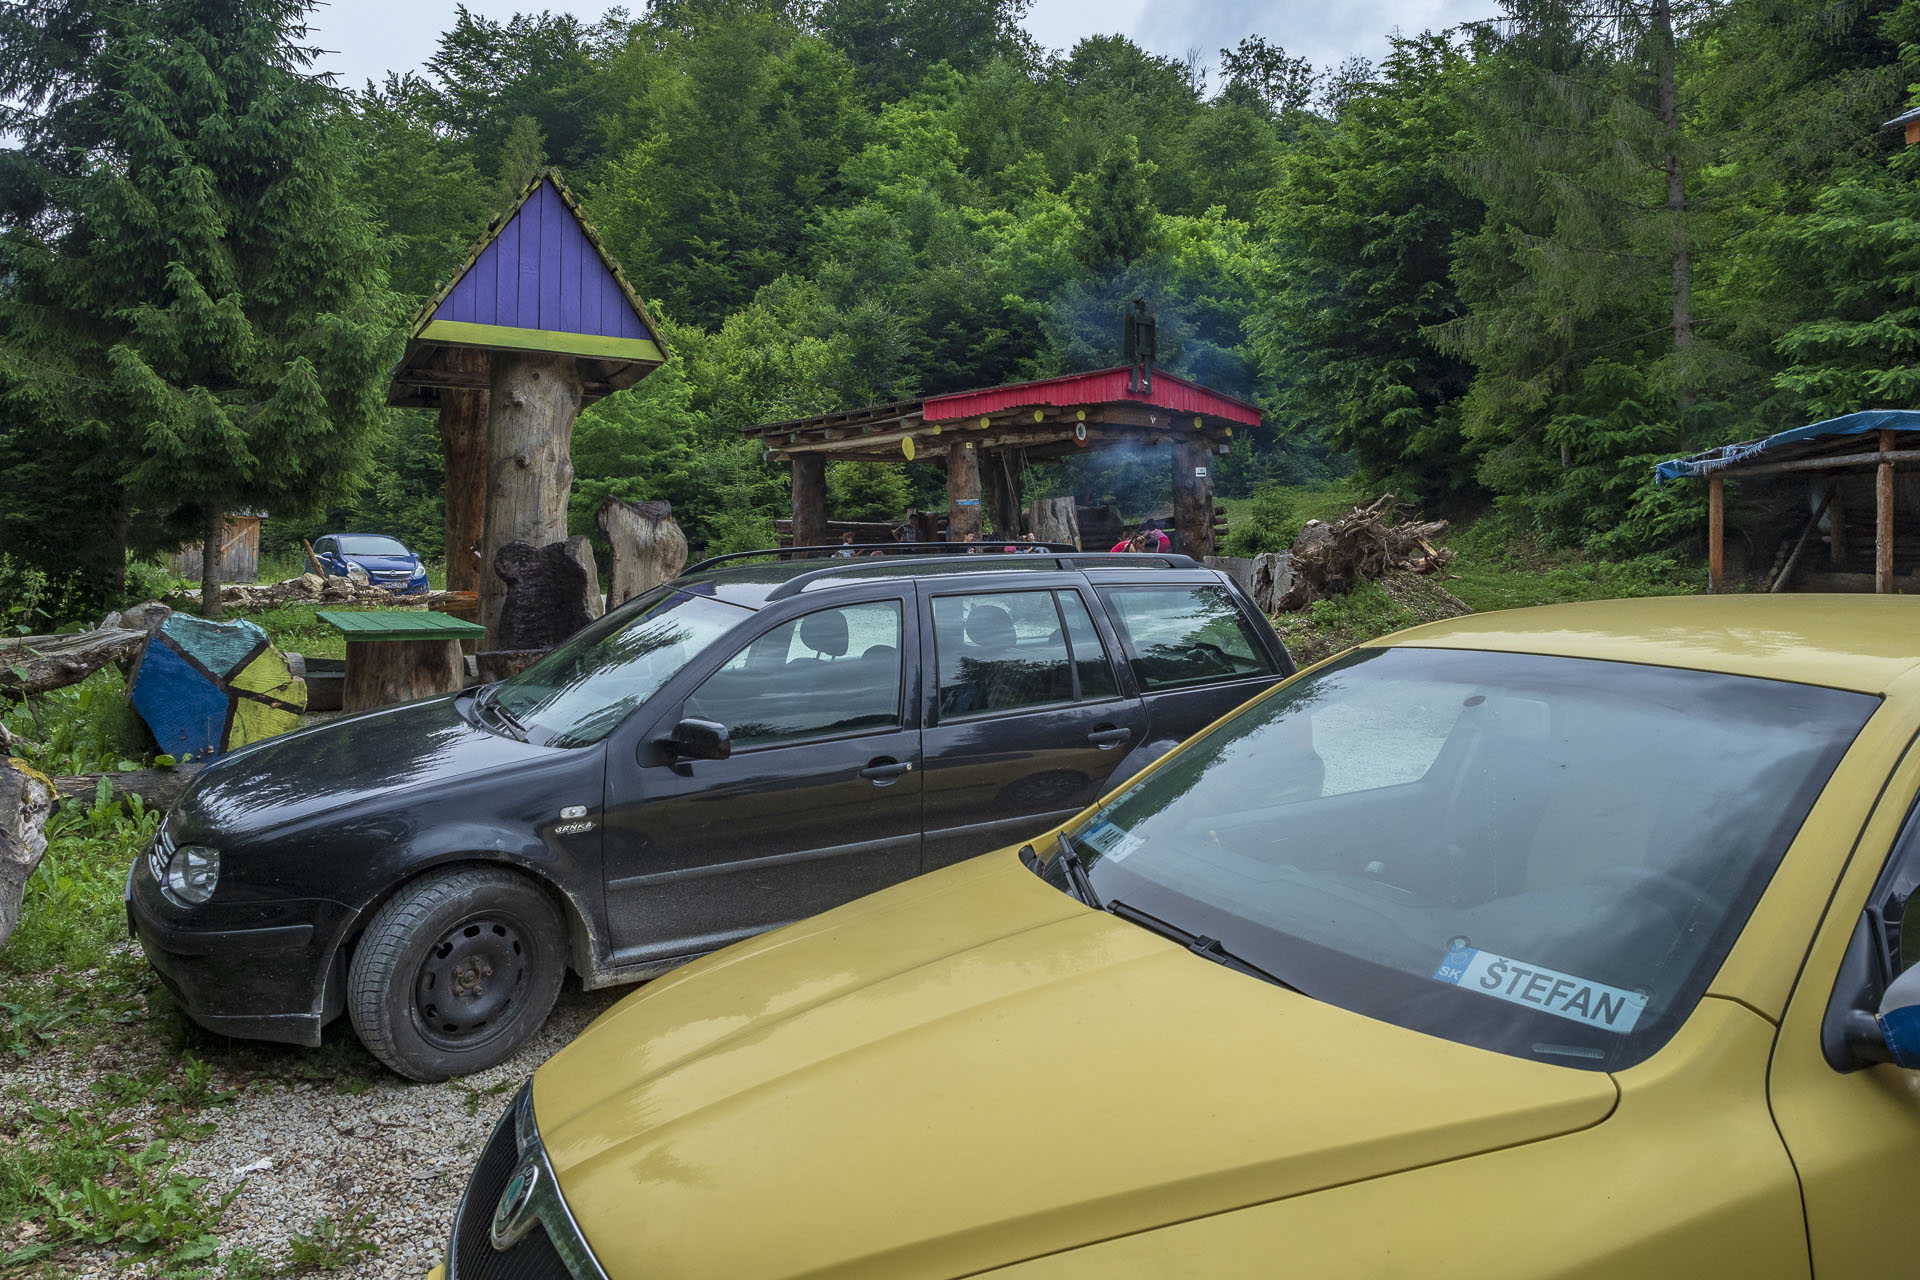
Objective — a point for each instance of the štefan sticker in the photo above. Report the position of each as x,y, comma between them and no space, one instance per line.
205,688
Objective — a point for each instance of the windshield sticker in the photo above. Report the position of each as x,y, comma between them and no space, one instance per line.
1549,990
1110,842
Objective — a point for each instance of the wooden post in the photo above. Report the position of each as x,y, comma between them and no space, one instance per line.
963,492
1716,533
1837,521
809,500
213,532
531,405
1883,521
463,438
1001,480
1193,496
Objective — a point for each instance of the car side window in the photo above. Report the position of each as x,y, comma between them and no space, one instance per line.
823,674
324,547
1091,665
1183,636
1000,651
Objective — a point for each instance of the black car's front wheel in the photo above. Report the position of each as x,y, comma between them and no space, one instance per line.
456,972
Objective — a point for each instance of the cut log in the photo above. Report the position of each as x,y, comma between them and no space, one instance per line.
157,788
1193,497
532,402
1054,520
26,798
35,664
547,593
963,493
648,546
1272,579
383,672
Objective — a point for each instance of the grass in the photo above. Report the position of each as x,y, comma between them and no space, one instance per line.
84,728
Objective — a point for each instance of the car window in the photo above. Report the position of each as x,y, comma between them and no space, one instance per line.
831,672
372,545
1184,636
324,547
1000,651
1091,664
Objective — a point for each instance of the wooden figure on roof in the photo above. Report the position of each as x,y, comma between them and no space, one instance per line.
1139,347
537,322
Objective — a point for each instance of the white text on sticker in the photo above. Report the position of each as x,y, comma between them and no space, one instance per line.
1549,990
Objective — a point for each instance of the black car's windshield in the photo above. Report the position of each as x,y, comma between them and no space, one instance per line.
1544,856
371,545
578,693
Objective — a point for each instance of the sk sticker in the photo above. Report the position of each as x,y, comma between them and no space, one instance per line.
1548,990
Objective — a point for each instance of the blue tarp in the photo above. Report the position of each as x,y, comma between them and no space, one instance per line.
1851,424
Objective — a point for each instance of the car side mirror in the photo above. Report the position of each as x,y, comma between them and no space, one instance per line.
1899,1019
698,740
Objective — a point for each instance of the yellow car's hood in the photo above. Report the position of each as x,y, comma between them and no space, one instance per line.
972,1069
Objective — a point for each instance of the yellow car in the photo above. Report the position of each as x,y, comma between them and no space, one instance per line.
1561,942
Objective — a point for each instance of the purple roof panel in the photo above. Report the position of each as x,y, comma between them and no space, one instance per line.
541,272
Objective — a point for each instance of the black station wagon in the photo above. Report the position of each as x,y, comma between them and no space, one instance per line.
743,747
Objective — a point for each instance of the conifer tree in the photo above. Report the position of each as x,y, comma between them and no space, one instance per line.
196,302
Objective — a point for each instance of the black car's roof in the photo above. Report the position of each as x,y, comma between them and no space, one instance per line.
755,585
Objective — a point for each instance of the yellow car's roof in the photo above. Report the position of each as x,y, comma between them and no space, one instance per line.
1858,642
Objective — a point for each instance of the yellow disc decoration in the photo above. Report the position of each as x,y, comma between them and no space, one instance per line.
984,421
1196,422
1039,415
906,447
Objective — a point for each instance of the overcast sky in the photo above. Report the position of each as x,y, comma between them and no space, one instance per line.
368,38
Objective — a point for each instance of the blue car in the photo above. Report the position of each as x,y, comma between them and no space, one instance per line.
387,561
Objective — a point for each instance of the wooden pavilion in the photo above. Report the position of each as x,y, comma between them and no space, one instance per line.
1861,477
984,438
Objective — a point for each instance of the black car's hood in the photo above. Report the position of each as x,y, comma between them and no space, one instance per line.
344,764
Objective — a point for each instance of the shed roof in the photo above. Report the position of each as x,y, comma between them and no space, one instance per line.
1798,442
538,280
1046,417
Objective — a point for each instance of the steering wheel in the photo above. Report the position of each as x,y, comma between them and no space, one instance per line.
1679,897
1212,652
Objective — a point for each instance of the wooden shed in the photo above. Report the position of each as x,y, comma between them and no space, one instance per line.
239,552
1856,525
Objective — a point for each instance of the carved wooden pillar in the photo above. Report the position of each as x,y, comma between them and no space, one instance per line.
531,408
463,439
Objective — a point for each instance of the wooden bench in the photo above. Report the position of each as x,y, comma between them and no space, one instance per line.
396,655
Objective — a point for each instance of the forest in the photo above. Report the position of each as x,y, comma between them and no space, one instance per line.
1502,271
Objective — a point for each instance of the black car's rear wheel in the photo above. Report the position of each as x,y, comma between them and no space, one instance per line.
456,972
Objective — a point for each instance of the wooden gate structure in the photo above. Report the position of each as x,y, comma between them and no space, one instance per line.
985,438
1861,477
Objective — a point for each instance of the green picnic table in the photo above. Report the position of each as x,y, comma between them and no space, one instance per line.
396,655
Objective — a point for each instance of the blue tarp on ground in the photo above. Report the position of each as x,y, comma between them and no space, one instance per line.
1851,424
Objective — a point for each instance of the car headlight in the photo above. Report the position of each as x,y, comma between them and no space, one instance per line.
191,873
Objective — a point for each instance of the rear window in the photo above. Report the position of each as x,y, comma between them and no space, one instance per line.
1185,636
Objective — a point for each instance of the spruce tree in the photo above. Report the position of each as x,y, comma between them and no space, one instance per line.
195,298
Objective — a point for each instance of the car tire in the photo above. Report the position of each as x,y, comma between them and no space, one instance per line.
456,972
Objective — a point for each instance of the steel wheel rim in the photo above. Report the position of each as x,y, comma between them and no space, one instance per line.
469,984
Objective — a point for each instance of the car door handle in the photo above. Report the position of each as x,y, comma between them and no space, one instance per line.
886,772
1108,739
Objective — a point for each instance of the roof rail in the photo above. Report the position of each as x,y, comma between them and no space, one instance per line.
1055,560
840,550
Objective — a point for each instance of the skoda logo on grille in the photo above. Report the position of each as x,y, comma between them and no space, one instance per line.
513,1217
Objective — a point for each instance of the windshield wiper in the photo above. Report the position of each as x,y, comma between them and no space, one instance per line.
1198,943
486,701
1076,870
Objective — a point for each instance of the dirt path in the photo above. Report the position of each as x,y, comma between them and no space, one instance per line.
310,1137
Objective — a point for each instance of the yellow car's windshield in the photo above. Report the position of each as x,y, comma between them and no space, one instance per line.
1543,856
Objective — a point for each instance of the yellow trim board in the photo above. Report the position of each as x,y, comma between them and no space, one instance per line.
502,337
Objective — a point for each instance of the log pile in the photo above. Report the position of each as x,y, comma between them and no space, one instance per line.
311,588
1365,544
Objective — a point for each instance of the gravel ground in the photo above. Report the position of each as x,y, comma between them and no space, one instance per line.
355,1143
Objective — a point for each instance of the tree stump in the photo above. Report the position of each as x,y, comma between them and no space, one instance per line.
383,672
532,402
648,547
205,687
1054,520
25,800
547,593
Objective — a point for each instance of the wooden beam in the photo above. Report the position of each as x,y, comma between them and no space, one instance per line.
1836,523
1832,462
1716,533
1883,519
